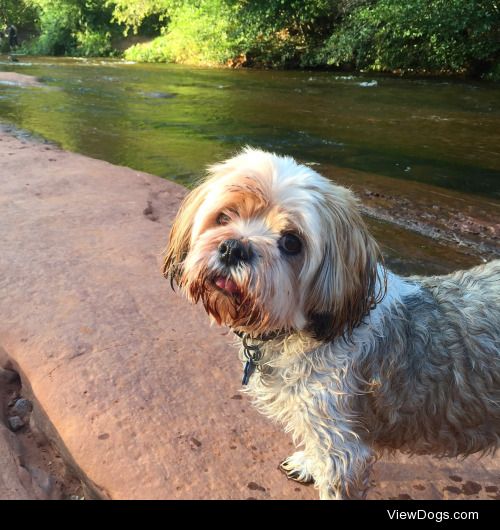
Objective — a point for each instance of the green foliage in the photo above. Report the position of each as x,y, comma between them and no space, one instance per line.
199,33
22,15
281,33
18,12
452,36
267,32
156,51
73,27
494,73
133,13
55,22
421,35
92,43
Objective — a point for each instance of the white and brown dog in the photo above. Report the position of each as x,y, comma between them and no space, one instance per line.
350,358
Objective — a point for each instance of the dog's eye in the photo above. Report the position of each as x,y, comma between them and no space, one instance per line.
223,219
290,244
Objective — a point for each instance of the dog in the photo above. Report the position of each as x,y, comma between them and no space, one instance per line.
351,359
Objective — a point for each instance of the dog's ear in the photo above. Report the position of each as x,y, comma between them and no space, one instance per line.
350,279
180,235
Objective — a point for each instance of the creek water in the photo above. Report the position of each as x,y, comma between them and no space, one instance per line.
423,155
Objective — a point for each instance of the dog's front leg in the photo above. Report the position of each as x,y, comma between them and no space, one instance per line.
343,472
338,458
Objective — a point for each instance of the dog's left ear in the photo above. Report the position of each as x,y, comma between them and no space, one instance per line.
350,279
180,235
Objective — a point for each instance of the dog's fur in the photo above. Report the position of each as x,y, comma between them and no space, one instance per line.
361,360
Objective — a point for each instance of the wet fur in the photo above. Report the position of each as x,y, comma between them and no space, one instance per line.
420,375
368,361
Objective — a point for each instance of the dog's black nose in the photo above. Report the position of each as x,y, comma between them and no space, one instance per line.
233,251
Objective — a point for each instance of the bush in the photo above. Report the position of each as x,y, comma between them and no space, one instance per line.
156,51
421,35
73,27
202,33
56,23
271,32
93,43
435,36
4,46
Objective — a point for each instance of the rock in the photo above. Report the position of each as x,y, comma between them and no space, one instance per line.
13,78
12,401
123,354
39,437
4,356
15,423
160,95
22,407
128,377
18,482
8,376
11,483
43,483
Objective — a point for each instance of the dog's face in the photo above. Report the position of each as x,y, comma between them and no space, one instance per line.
267,244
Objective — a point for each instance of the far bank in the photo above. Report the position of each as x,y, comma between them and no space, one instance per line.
438,37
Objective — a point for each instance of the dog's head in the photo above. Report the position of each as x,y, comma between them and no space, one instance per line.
267,244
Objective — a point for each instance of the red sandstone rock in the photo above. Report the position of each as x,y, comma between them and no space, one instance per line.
128,379
13,483
19,79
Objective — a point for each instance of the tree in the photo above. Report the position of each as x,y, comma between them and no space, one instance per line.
421,35
76,27
18,12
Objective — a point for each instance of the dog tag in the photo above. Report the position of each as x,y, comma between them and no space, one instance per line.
247,372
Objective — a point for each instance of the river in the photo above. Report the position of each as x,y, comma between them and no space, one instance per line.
423,155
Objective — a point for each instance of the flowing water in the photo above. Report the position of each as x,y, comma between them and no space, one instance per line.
423,155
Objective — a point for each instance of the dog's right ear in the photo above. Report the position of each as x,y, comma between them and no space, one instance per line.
180,236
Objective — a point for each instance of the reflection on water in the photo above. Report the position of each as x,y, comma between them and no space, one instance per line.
172,121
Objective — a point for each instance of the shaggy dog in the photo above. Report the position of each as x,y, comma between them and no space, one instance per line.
350,358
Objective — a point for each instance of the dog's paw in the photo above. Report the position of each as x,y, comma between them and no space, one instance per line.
295,467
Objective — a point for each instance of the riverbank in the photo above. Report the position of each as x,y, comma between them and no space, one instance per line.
130,384
114,363
421,155
378,36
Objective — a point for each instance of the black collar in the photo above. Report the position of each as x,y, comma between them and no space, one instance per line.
261,338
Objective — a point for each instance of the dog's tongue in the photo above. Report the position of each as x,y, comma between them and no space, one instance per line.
227,285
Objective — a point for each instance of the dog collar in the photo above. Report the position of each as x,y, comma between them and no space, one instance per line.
253,353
